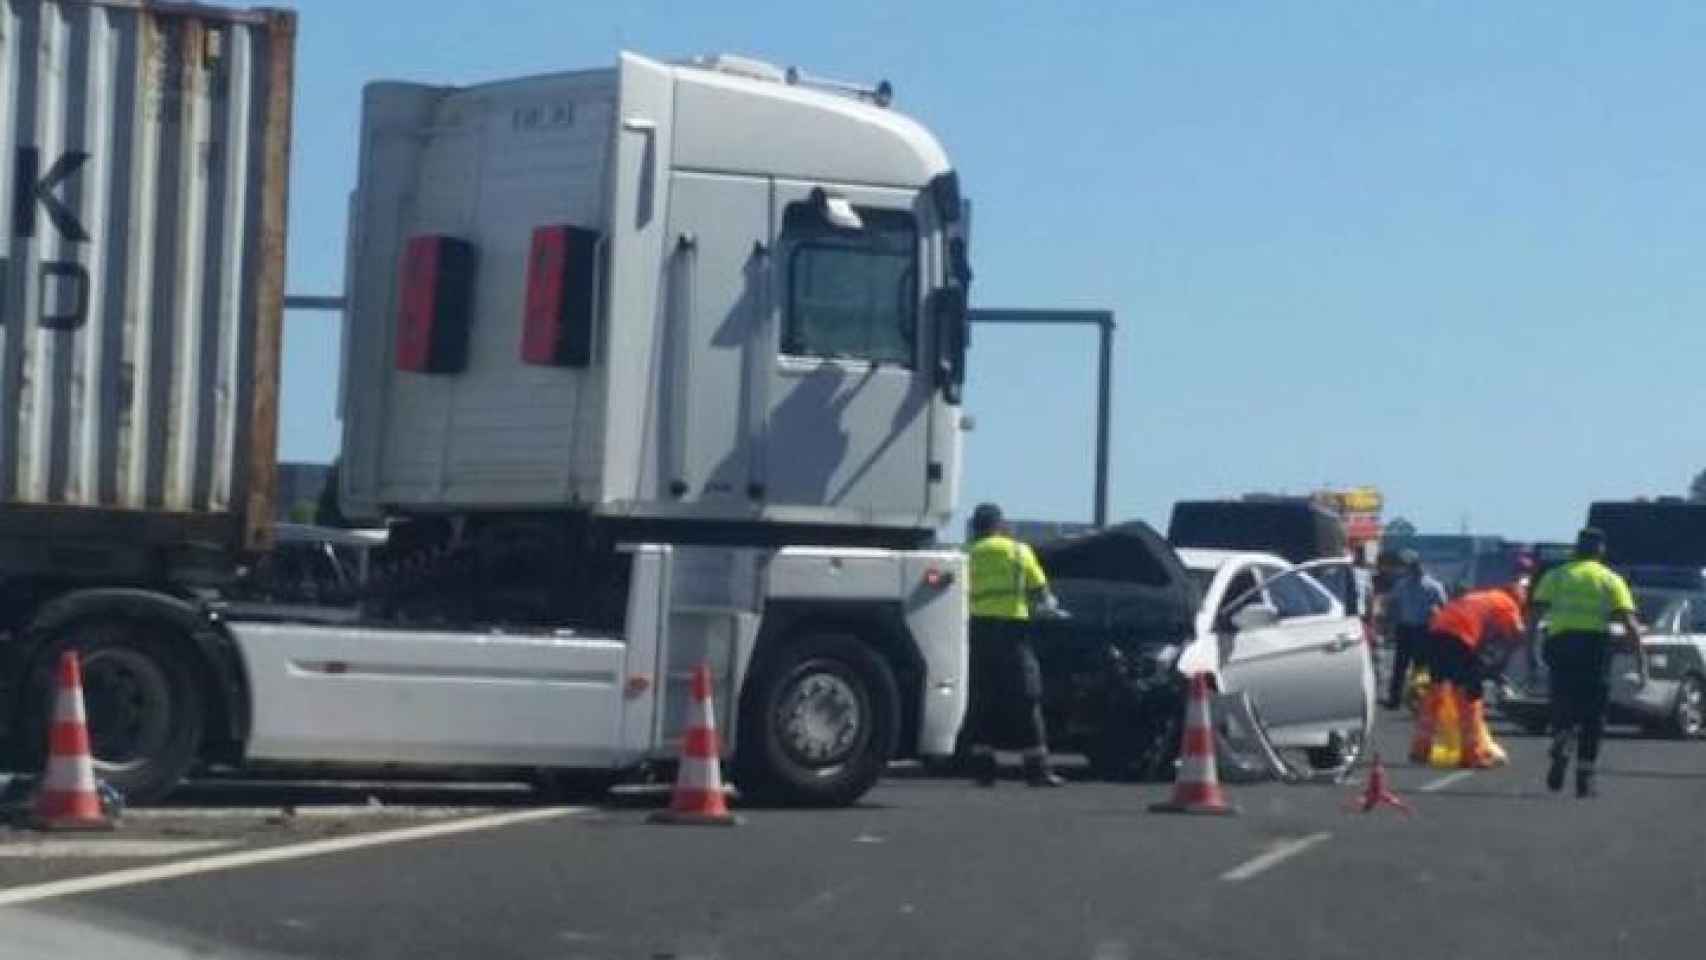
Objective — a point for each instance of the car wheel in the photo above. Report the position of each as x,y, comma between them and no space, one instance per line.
818,724
1342,750
141,701
1688,713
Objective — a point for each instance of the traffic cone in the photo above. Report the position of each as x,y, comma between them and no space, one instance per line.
698,794
67,799
1377,793
1197,787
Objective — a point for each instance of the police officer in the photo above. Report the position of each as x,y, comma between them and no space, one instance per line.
1579,600
1006,681
1414,600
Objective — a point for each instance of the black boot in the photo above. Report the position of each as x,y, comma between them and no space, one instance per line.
1560,764
1584,783
1038,774
985,769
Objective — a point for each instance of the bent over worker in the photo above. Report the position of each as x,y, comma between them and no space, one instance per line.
1459,634
1006,680
1579,601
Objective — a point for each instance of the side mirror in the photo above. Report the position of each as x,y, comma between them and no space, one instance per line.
952,318
1254,616
945,194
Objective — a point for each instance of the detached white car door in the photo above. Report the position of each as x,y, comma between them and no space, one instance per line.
1302,659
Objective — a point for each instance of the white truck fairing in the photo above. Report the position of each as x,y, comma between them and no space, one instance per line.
736,360
567,699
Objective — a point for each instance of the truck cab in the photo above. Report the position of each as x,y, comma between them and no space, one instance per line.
704,292
644,367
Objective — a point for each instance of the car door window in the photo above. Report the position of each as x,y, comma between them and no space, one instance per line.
1238,591
1696,615
1295,595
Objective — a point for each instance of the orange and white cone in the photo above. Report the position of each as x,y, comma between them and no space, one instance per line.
67,799
698,795
1197,787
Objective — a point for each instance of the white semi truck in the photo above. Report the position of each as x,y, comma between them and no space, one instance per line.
643,367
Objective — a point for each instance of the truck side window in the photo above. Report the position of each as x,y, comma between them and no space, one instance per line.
851,294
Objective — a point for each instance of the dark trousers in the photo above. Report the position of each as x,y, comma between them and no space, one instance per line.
1449,660
1578,664
1410,643
1006,687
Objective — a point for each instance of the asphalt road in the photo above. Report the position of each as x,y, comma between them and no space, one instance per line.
1491,865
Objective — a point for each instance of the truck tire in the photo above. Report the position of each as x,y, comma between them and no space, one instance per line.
818,723
142,700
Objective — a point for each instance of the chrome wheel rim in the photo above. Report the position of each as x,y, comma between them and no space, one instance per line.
820,719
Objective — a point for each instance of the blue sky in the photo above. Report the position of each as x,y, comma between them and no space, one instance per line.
1449,249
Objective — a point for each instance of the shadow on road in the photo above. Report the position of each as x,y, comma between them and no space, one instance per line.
1615,773
1521,793
271,793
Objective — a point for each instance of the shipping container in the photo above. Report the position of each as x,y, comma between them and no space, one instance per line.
144,172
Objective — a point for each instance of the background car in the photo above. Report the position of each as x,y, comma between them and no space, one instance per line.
1459,562
1672,703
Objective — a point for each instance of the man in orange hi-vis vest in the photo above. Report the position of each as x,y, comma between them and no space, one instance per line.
1457,635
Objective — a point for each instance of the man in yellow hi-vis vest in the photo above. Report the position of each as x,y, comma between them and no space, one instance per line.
1579,602
1006,681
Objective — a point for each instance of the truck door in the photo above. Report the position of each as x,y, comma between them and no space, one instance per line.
849,390
716,261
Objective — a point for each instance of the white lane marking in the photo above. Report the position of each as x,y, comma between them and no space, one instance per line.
1276,855
95,848
249,858
1434,786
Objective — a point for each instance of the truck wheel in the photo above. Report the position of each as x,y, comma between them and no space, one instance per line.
819,723
1688,714
142,703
